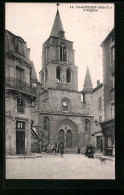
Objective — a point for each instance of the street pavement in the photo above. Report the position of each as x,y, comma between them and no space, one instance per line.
71,166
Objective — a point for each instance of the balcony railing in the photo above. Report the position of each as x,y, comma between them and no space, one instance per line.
14,83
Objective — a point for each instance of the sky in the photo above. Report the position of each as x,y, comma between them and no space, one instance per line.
87,27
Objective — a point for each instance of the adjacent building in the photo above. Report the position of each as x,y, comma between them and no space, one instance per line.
21,108
98,115
108,124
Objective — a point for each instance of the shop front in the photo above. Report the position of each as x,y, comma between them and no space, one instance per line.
108,130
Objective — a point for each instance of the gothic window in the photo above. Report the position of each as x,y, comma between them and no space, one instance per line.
58,74
20,105
62,53
87,125
46,75
45,123
42,78
68,76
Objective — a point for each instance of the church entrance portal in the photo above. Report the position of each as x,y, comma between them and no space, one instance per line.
68,134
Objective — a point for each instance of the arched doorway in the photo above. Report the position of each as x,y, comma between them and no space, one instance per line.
69,139
67,132
61,136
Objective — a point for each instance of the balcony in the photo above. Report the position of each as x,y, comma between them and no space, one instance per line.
15,84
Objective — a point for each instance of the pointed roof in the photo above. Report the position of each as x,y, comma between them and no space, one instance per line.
57,26
87,83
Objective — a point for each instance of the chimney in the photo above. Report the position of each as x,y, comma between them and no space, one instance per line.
98,83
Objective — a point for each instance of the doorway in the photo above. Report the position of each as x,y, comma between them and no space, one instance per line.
61,137
20,137
69,139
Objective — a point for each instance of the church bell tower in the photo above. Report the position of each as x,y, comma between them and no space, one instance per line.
58,68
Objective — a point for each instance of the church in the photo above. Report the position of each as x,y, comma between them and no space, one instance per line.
63,115
51,110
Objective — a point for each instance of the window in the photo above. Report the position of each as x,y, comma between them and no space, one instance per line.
109,141
112,110
20,105
100,103
20,47
58,74
20,125
87,125
42,78
112,56
98,141
19,74
113,37
112,81
45,124
32,103
100,118
62,53
46,55
46,75
68,76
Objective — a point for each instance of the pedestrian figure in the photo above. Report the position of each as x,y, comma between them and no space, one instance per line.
43,150
90,151
78,151
61,150
86,152
55,149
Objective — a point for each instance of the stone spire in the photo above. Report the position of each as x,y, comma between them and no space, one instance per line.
88,83
57,29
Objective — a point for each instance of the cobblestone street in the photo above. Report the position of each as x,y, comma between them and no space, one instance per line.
71,166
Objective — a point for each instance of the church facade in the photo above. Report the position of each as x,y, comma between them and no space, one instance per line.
52,110
63,116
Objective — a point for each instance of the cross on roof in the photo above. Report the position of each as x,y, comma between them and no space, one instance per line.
57,5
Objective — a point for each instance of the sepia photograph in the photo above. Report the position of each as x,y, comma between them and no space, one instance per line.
60,91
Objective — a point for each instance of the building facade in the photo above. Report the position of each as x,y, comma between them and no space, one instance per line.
21,108
98,115
108,124
63,116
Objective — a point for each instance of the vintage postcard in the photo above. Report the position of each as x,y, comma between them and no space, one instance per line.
59,91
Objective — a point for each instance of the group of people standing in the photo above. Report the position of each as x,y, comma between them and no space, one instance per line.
59,149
